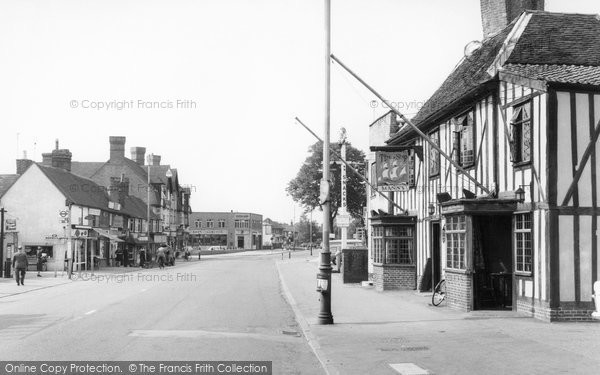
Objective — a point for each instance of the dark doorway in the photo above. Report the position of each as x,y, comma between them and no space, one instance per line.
240,242
492,262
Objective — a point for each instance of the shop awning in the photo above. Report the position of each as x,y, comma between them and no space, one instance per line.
106,234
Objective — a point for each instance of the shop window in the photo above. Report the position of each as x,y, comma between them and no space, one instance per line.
521,139
456,242
434,155
392,244
523,242
464,141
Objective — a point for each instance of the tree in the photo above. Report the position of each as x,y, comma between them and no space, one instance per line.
305,187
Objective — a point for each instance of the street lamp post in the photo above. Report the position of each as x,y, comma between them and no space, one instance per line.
148,252
324,276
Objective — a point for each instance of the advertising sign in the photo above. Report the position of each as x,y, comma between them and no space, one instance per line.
394,170
10,225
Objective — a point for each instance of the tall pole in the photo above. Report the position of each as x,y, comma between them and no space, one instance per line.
325,316
344,197
148,209
69,243
310,232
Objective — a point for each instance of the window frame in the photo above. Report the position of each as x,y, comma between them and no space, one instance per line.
516,125
523,231
452,233
457,144
381,243
438,160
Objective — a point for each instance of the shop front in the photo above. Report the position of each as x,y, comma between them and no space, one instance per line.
477,237
393,254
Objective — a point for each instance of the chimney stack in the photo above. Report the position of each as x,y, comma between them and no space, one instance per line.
497,14
117,147
23,164
47,158
61,159
138,154
155,160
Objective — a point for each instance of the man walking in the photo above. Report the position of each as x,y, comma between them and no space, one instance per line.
20,263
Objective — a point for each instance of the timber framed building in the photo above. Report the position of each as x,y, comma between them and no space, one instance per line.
521,116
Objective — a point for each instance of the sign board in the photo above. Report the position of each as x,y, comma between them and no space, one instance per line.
394,170
242,216
63,213
94,211
343,220
10,225
160,238
208,231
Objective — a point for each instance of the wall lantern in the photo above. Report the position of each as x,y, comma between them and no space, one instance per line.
520,195
431,208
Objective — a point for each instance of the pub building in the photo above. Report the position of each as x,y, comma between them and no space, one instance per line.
494,180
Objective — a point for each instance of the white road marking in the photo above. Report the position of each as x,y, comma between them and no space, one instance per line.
193,334
408,369
90,312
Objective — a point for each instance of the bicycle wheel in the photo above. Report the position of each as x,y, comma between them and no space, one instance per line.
439,294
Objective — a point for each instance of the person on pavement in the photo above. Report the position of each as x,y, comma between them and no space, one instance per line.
160,254
19,264
40,261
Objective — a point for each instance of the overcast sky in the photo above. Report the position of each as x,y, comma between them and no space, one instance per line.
242,70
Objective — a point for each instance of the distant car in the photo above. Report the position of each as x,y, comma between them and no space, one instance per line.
216,248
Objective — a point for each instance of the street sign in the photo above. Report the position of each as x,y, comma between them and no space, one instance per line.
342,220
324,192
63,213
10,225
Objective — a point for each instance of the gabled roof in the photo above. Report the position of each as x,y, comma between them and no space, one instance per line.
555,47
76,189
158,173
6,181
120,162
135,207
85,168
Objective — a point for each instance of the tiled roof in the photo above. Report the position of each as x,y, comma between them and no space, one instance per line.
559,38
589,75
76,189
135,207
6,181
85,168
158,173
466,77
553,42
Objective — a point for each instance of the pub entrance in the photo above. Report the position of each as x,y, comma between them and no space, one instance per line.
492,262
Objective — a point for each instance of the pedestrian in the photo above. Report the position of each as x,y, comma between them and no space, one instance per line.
19,264
160,253
40,261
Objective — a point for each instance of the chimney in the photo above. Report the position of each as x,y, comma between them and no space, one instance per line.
119,189
61,159
47,158
138,154
497,14
117,147
155,160
23,164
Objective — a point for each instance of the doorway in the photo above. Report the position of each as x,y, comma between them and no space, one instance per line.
240,241
492,262
435,251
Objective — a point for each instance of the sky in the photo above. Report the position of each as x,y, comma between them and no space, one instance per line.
213,86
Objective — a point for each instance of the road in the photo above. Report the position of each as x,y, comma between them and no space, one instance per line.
221,308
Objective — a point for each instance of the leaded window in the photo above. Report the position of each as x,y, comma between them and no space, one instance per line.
523,244
521,142
393,244
464,140
456,242
434,155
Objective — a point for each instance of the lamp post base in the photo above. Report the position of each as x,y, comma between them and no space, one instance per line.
325,316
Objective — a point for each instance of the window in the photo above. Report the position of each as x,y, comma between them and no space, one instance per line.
392,244
521,140
373,179
523,242
221,224
464,148
210,223
198,223
456,242
434,155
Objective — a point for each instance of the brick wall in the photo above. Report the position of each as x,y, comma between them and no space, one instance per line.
394,277
459,290
566,312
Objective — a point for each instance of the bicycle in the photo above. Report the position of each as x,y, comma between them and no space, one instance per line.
439,293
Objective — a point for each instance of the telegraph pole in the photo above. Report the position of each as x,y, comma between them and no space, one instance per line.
324,277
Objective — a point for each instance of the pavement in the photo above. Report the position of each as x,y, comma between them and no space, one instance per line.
400,332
